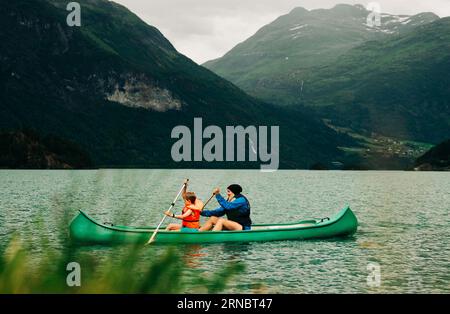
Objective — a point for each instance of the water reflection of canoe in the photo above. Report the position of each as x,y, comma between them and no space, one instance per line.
85,230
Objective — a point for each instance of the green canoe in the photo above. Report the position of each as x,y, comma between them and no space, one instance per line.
86,231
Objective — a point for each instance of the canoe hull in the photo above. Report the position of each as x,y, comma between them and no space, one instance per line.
86,231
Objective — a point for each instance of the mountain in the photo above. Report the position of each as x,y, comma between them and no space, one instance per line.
273,64
391,80
25,149
437,158
403,92
117,87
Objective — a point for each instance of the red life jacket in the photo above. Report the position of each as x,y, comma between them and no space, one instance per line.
193,220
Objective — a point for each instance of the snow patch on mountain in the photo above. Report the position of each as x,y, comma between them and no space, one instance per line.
298,26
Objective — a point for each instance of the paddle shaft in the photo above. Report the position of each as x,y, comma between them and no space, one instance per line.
208,201
152,238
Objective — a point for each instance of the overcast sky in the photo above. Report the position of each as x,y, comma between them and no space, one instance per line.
207,29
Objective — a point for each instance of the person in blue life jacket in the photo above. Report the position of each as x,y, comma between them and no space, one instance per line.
236,207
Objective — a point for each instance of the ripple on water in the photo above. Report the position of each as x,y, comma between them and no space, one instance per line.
404,223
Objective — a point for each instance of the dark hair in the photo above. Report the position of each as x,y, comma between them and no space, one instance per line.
190,196
235,188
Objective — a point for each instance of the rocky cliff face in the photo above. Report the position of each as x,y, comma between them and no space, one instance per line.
138,92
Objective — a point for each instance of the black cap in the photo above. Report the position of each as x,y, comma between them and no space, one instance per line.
235,188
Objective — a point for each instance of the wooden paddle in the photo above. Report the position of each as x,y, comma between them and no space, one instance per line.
208,201
152,238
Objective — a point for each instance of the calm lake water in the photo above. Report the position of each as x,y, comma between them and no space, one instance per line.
404,222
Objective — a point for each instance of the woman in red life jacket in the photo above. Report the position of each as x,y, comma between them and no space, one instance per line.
190,215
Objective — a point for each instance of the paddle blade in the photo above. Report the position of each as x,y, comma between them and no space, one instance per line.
152,239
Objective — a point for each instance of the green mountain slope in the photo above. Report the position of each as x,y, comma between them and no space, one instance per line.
274,63
398,87
391,80
437,158
26,150
117,87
